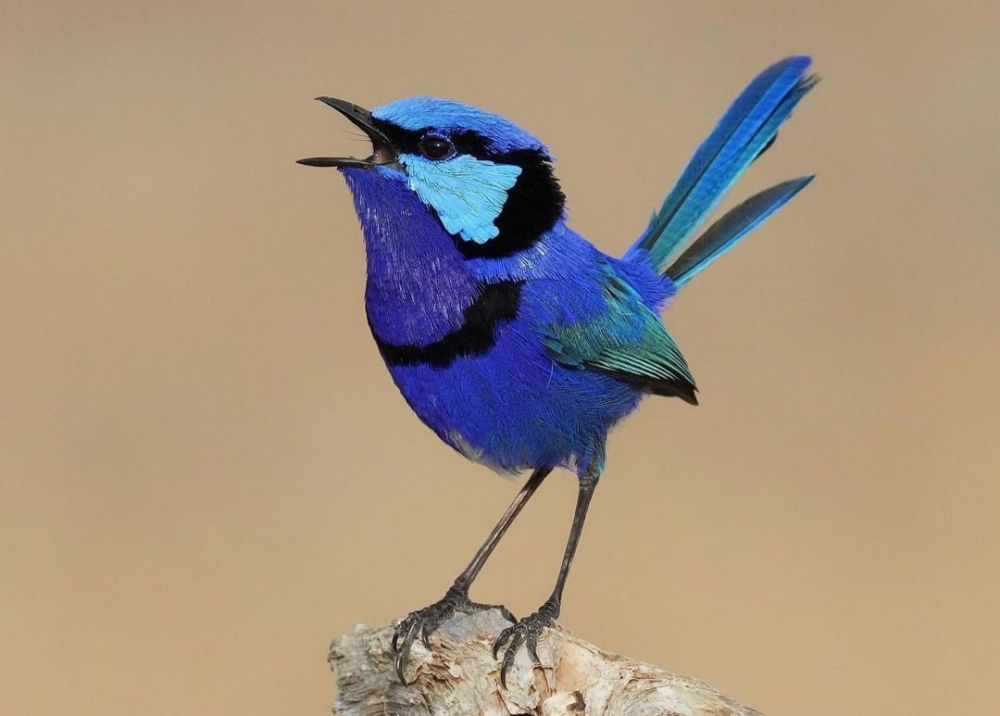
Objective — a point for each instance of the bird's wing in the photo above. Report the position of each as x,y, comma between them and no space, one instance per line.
625,339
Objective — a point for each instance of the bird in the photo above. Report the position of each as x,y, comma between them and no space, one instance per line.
512,337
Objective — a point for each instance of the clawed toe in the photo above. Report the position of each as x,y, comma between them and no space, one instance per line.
424,622
473,607
523,633
403,651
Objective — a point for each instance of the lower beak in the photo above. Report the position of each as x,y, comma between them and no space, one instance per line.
383,151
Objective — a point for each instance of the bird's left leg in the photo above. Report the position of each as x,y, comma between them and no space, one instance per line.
526,631
423,622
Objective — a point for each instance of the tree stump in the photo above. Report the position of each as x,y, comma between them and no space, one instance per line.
460,677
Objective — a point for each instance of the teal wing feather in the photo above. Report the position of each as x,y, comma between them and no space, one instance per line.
625,340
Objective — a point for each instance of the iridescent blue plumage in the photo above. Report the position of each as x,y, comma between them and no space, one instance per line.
745,130
418,113
513,406
513,338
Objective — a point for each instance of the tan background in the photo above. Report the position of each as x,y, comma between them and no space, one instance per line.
205,472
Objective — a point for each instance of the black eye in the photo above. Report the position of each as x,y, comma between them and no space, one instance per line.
434,147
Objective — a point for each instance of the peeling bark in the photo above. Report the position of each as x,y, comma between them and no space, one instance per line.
459,676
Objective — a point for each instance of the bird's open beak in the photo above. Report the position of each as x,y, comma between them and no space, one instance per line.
383,151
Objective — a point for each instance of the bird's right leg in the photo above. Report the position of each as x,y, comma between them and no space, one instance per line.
424,622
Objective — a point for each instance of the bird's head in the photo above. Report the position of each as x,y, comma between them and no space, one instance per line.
481,175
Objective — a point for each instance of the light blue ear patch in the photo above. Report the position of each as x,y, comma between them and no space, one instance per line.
468,194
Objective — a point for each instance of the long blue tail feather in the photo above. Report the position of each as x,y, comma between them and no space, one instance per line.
733,226
746,129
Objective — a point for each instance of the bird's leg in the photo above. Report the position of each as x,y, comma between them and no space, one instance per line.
526,632
423,622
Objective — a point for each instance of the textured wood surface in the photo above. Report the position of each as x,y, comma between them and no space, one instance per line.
460,676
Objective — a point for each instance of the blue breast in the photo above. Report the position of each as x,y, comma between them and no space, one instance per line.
495,396
514,407
418,285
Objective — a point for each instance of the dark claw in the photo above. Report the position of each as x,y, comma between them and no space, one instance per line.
425,634
504,636
523,633
403,653
424,622
506,613
472,607
508,657
531,644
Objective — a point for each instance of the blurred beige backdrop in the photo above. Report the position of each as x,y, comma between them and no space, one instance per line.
206,473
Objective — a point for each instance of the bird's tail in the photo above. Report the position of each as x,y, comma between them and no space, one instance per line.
745,131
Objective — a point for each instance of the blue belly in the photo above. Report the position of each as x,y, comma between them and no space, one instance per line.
513,407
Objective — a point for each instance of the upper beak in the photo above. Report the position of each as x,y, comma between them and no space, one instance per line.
383,150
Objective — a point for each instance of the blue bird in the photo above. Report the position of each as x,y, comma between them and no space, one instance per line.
511,336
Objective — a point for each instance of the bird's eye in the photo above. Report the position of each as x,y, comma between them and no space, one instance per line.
434,147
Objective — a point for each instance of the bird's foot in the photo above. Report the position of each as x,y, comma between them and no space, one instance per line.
424,622
524,633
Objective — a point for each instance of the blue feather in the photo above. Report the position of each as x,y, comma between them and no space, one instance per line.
444,185
733,226
419,113
744,131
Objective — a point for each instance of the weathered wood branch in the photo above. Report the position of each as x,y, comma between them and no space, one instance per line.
460,677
